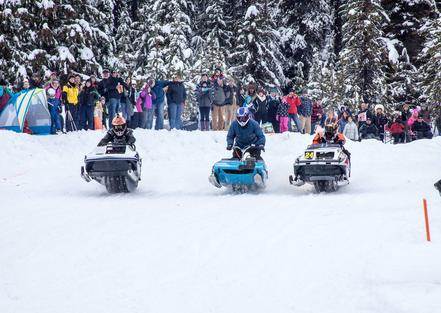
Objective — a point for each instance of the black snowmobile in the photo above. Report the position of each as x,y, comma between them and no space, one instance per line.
118,167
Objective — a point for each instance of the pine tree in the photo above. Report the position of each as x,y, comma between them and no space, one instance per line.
360,75
305,24
54,35
431,55
124,38
257,56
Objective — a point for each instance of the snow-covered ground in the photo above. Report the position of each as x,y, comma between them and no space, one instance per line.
180,245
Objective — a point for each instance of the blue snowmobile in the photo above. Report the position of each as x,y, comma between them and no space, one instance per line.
241,174
246,169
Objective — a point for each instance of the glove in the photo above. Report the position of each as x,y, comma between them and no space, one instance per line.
229,147
261,147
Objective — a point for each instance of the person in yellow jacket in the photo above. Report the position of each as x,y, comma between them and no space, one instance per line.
70,98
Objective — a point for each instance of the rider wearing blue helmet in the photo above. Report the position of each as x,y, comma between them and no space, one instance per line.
245,132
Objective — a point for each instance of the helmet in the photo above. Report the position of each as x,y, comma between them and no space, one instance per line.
51,92
242,116
119,125
329,132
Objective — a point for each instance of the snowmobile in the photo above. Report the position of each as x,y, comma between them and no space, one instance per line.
241,175
116,166
326,166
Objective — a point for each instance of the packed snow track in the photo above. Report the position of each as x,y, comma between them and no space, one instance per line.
177,244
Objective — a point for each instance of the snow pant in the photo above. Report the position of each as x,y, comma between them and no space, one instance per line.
283,121
399,138
55,119
205,118
72,121
218,117
86,117
174,118
112,109
422,135
149,118
159,111
253,151
294,117
305,124
138,120
230,114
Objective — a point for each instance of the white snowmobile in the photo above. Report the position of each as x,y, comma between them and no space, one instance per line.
118,167
326,166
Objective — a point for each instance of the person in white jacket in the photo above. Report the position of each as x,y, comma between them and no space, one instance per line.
351,130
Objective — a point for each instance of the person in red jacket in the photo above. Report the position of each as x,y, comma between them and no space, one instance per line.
294,101
397,130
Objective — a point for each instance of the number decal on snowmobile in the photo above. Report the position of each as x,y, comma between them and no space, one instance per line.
309,155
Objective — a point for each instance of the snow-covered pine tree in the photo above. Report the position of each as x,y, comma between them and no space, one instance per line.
402,81
304,26
257,56
360,74
124,37
55,35
431,56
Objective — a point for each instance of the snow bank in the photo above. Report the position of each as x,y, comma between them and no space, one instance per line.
180,245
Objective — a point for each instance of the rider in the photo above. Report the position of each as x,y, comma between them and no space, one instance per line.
331,136
328,135
245,132
119,134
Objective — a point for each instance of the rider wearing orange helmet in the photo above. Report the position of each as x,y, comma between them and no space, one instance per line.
119,134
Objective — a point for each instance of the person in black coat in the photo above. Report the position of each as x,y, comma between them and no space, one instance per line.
368,130
422,129
176,96
273,105
87,101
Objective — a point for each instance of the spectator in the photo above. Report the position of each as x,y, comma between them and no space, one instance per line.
176,96
25,85
131,98
157,87
405,113
316,116
397,130
363,115
123,106
305,112
260,107
146,106
98,114
350,130
231,95
70,99
273,107
342,121
217,75
94,82
103,90
369,130
115,89
283,116
380,120
55,85
294,101
204,98
87,99
438,123
54,105
331,118
421,128
218,104
5,94
413,118
35,81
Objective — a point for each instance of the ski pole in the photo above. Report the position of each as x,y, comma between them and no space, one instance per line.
426,217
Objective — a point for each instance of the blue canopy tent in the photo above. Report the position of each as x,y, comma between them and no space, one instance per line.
29,106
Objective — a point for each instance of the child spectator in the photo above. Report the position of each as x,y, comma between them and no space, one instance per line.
351,130
283,116
54,106
397,130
